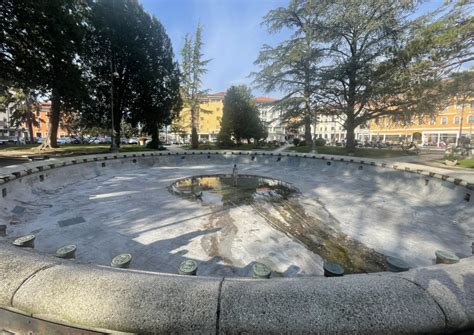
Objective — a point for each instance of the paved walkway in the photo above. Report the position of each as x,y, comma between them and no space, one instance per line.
283,148
435,161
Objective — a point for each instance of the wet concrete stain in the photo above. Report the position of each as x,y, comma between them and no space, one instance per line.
280,205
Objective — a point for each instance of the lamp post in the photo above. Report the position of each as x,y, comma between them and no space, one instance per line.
113,74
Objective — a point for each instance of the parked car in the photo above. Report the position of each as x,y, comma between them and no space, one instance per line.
63,140
75,140
133,140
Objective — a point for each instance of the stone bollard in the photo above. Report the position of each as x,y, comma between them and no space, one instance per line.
332,269
27,241
121,261
188,268
3,230
396,265
444,257
68,251
261,271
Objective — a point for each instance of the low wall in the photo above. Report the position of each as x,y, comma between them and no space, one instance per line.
434,299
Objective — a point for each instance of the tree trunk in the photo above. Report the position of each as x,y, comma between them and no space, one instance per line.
116,120
117,132
29,123
155,137
307,131
51,140
350,137
194,133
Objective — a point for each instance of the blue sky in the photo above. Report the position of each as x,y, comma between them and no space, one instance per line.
232,34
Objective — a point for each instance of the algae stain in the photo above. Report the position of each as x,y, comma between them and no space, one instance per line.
280,205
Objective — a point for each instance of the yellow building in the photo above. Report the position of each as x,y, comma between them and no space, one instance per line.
210,116
444,128
209,119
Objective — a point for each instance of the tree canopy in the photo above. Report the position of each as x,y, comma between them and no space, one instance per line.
292,65
40,46
192,69
370,57
129,58
81,53
240,118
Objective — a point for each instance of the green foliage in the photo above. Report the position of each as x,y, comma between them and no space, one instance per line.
364,59
320,142
39,51
23,107
192,69
460,86
240,119
296,142
126,41
443,40
292,65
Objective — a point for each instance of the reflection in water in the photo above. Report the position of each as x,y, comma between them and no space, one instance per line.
232,190
279,204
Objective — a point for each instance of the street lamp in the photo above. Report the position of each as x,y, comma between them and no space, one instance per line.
113,74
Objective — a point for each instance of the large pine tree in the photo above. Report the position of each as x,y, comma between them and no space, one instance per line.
129,58
192,69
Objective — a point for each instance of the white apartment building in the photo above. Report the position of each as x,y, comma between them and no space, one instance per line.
330,127
272,119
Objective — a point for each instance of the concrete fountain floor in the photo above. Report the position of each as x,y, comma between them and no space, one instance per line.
132,210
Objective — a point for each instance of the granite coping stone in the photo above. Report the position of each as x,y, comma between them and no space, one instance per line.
357,304
434,299
452,287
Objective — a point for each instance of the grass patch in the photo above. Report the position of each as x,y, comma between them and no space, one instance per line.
234,147
17,147
74,149
359,152
467,163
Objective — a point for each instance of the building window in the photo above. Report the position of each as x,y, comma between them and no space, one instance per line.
38,135
421,120
444,120
472,104
432,120
456,120
458,106
471,119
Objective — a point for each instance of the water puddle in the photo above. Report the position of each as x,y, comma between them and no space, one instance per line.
285,209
